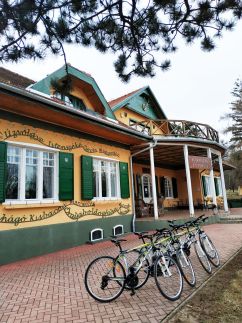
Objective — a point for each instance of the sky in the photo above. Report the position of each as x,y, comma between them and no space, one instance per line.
197,87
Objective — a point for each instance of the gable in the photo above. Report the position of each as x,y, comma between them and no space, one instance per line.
141,101
84,87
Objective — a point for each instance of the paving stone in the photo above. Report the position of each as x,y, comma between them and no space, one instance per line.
50,288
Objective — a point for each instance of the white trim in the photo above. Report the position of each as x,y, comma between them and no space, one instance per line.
106,199
117,226
108,177
91,234
169,179
105,158
27,202
35,146
40,167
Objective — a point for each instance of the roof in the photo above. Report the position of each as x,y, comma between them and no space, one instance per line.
14,79
114,102
135,100
44,85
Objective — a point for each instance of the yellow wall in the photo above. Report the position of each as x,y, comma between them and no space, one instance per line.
180,175
22,216
124,115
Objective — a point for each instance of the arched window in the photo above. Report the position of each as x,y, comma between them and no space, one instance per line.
118,230
96,234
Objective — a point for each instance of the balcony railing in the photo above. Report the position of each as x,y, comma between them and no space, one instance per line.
176,128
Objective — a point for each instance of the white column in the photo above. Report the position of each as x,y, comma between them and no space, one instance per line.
189,184
223,183
152,168
211,175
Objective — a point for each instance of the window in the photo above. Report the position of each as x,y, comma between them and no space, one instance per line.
206,186
72,101
96,234
147,188
218,186
31,174
118,230
105,179
168,187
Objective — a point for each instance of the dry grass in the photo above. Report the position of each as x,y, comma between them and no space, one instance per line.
220,301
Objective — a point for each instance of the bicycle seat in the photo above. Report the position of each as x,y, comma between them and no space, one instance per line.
164,231
117,241
140,234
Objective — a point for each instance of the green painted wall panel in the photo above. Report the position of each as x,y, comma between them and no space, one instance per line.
21,244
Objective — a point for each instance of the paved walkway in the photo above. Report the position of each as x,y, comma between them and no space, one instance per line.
50,288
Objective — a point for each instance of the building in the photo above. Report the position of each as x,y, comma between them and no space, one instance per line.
75,168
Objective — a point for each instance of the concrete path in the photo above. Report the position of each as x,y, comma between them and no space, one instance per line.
50,288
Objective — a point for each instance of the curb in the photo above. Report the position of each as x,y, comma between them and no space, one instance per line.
183,303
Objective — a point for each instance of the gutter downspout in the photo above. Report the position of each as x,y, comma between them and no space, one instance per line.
152,145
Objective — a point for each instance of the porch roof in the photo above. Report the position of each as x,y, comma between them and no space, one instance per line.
169,154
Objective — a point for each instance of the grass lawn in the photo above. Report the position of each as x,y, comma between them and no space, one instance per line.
220,301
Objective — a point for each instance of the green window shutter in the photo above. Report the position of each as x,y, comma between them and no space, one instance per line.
204,186
216,186
174,187
124,180
139,186
66,176
3,170
157,186
162,186
87,178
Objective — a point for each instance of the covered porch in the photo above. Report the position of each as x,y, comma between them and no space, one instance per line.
180,174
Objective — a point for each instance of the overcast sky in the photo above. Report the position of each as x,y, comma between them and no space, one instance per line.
197,87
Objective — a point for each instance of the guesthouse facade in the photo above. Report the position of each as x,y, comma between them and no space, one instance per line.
74,168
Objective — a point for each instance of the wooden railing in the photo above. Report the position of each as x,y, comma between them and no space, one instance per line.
176,128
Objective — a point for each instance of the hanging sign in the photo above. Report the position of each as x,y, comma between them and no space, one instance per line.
197,162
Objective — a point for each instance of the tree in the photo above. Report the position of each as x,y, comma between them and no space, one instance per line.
233,178
235,116
133,29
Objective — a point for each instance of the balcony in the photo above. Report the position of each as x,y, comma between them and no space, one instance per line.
176,128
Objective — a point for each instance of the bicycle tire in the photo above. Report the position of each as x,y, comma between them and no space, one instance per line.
168,278
105,279
202,257
212,254
186,268
144,272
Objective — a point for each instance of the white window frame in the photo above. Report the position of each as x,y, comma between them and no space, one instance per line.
91,234
147,199
117,226
168,179
22,172
108,198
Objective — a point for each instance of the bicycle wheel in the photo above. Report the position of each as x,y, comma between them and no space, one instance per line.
186,267
202,257
168,277
141,267
210,250
105,279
